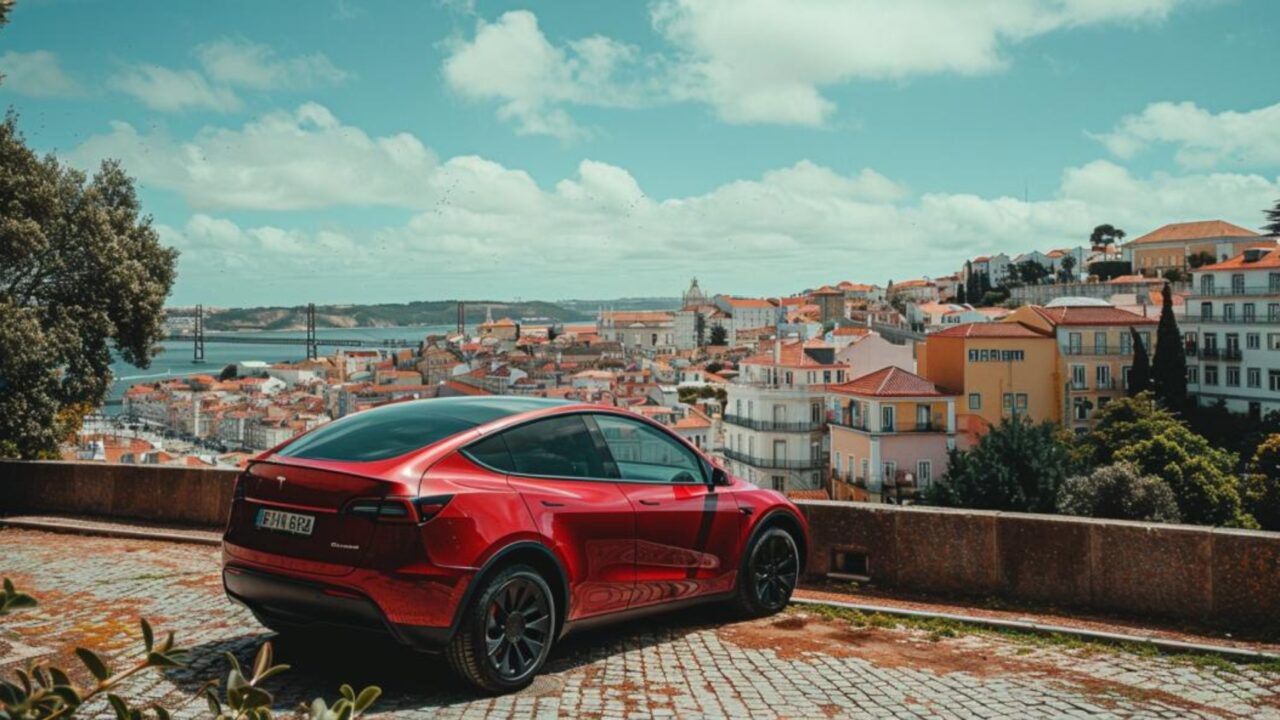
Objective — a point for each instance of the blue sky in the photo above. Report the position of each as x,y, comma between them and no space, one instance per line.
384,151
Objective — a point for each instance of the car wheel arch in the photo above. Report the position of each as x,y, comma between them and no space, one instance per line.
787,520
528,552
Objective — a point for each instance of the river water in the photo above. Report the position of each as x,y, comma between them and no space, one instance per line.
176,361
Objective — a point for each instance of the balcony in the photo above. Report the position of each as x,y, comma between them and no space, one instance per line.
1225,354
1232,320
935,425
773,426
811,463
1096,351
1238,291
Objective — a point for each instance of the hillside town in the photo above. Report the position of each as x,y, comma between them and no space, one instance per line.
849,390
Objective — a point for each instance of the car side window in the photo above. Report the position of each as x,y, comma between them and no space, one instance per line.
492,452
555,447
644,453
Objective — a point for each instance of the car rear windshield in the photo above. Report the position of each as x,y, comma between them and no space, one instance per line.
376,434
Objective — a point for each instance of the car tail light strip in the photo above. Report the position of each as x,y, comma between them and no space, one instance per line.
401,510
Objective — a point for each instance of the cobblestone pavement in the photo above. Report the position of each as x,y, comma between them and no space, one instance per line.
690,665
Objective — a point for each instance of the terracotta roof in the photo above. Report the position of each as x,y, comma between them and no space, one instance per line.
738,302
913,284
1086,315
818,494
892,381
1193,231
826,290
991,330
1270,260
465,389
847,330
791,354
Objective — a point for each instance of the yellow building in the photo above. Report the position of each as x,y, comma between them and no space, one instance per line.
890,434
1095,353
502,329
996,369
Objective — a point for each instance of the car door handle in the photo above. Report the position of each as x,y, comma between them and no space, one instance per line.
548,503
650,502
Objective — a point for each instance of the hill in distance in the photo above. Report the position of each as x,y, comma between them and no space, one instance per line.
441,312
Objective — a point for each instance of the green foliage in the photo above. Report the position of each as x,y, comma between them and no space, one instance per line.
1118,492
1139,431
1017,466
1067,267
1106,234
11,599
1262,484
719,335
1169,369
43,691
82,273
1140,373
1174,275
700,328
1273,220
1109,269
1030,272
1200,259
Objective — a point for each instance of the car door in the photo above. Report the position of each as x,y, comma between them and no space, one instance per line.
686,529
557,467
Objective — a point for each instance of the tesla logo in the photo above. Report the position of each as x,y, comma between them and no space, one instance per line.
342,546
280,479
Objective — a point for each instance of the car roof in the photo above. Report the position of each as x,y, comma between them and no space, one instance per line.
472,410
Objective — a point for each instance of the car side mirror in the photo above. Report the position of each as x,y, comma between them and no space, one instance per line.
719,477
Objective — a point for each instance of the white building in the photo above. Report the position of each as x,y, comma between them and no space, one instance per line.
1232,333
646,330
774,418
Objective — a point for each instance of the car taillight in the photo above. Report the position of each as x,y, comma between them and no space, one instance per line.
430,506
403,510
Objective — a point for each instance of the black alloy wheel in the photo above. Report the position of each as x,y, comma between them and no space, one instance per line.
517,628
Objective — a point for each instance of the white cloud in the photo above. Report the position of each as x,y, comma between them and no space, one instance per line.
1202,139
511,62
282,161
166,90
490,229
36,73
252,65
766,61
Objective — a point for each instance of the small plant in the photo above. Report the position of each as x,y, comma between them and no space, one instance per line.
45,692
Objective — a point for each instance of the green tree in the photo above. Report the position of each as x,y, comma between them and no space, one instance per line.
1138,430
1273,220
1118,492
699,328
1200,259
719,336
1068,266
1018,465
1262,485
1140,373
1105,235
961,296
1169,369
1030,272
82,274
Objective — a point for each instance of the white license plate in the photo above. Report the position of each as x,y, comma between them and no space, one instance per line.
285,521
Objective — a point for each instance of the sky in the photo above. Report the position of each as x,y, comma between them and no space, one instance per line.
356,151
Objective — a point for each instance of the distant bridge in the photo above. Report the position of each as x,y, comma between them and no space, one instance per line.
198,337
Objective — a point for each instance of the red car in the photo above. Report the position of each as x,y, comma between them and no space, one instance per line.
487,528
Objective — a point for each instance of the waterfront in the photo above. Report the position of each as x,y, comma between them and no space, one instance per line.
176,360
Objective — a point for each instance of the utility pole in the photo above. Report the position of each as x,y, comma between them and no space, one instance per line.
197,338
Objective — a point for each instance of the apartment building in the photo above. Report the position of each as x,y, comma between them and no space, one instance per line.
775,418
890,434
919,290
747,314
1095,352
1232,333
996,369
1168,247
648,331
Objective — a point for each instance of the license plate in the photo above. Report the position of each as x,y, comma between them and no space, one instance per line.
281,521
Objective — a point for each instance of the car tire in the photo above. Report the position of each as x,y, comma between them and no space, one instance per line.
506,631
770,571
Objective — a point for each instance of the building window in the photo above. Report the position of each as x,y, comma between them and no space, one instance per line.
1021,399
1193,376
1273,380
866,468
1206,311
1126,343
1248,312
1237,284
1210,374
1078,381
1103,373
1075,343
1228,312
890,471
975,401
1007,403
924,473
1233,376
1273,341
779,482
1252,341
1254,377
886,418
1206,284
1080,408
922,416
1100,343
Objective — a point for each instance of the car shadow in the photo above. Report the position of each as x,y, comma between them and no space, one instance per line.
321,661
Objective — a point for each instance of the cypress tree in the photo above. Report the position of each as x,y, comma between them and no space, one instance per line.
1140,373
1273,220
1169,369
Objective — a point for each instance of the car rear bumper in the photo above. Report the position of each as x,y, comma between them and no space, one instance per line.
415,611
